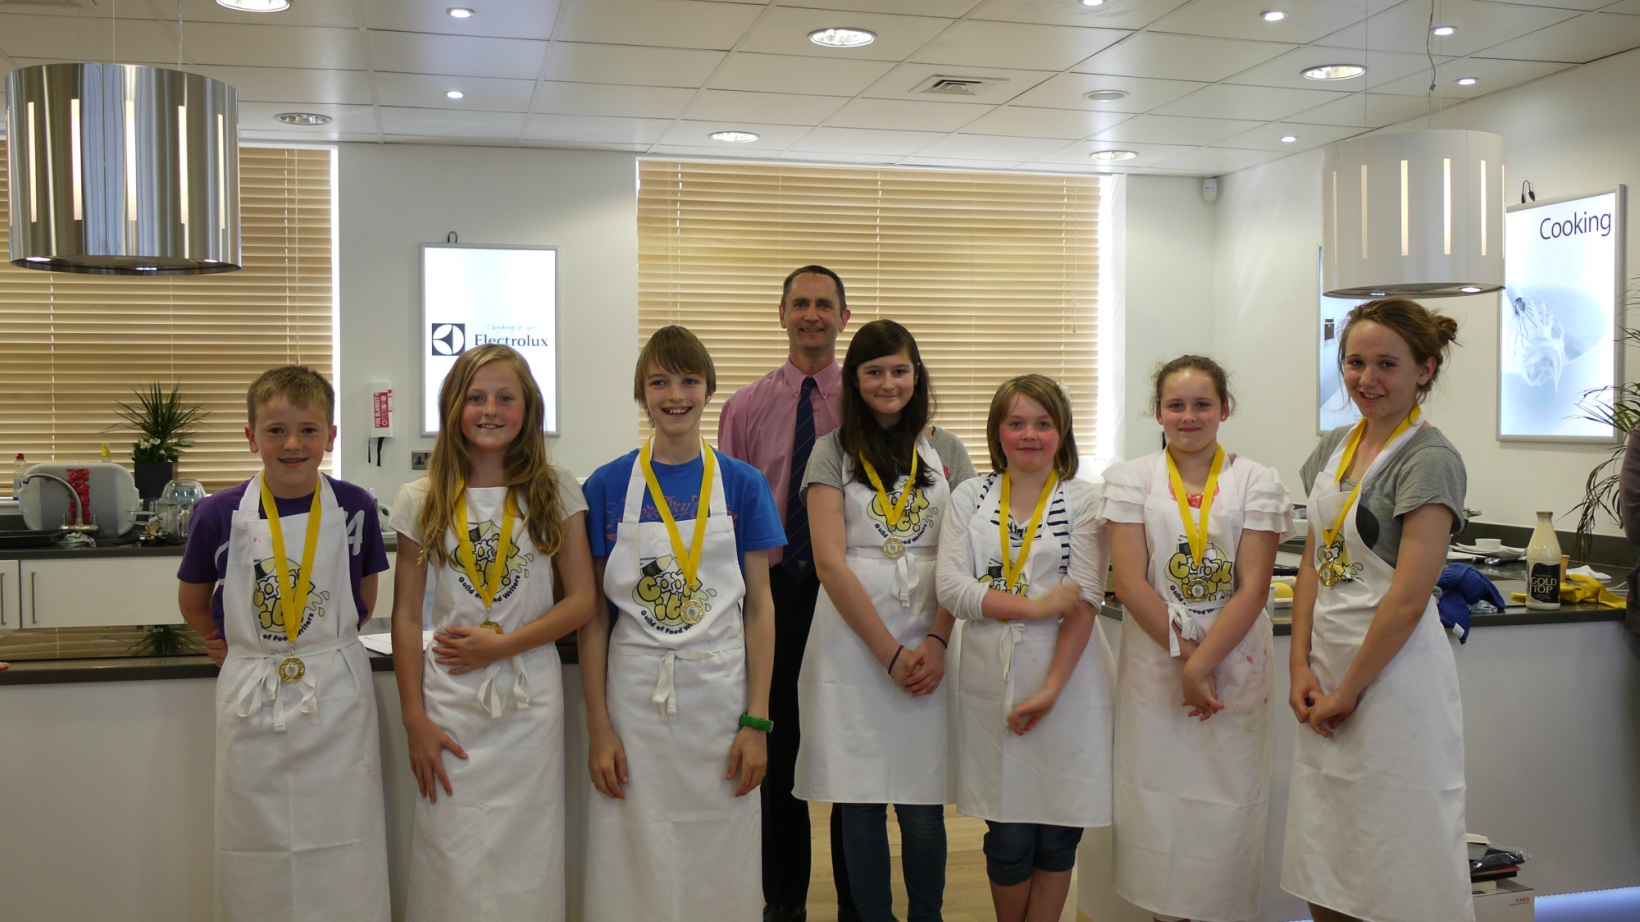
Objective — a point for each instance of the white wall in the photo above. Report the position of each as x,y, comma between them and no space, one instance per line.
1567,133
393,198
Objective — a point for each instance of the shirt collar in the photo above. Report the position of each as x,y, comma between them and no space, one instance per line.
826,379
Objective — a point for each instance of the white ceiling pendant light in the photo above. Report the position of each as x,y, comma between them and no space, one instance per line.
256,6
122,169
1416,213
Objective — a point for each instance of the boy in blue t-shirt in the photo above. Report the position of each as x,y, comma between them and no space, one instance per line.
278,574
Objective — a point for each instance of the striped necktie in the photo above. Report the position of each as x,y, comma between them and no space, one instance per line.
798,560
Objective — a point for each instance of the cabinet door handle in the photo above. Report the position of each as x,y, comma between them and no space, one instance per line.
2,598
33,603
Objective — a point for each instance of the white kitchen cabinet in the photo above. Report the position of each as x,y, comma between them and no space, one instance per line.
99,592
11,596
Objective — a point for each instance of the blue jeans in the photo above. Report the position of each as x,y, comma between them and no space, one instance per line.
922,858
1014,850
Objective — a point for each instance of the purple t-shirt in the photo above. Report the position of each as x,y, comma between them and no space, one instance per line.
205,560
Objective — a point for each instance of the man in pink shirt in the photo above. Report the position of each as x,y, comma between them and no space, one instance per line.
772,424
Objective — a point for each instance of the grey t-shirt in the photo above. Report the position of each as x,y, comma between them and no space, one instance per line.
1428,469
826,461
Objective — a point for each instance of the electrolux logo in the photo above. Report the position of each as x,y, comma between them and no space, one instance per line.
523,340
449,338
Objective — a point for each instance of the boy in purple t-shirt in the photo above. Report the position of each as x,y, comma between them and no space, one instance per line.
278,574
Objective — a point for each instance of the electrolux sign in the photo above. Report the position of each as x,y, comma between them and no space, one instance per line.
474,296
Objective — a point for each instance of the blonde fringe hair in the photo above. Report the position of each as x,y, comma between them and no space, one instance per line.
529,476
1043,390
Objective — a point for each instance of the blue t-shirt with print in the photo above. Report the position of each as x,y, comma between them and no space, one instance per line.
745,492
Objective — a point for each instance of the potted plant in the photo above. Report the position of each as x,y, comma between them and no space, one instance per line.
1617,406
164,419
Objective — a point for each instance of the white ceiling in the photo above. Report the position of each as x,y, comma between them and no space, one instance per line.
1211,86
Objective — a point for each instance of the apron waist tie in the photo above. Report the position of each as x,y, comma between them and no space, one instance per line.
665,696
493,695
261,684
1179,617
905,578
1012,633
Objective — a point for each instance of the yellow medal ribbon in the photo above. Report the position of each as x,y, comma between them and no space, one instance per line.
1328,536
688,560
487,588
1011,570
291,668
893,547
1195,531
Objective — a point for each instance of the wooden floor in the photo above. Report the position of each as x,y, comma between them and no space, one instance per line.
967,894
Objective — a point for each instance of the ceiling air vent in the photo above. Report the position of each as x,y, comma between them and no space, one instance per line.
970,87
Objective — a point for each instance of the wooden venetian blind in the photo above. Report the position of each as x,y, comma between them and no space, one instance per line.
77,344
996,274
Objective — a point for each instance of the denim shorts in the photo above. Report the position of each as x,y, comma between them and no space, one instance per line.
1014,850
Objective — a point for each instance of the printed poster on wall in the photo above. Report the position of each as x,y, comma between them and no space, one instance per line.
474,295
1559,316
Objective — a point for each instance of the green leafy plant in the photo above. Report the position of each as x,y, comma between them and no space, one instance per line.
165,419
167,640
1617,406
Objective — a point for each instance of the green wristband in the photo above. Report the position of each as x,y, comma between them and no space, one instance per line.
756,723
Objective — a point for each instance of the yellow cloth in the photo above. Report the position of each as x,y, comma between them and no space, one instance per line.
1579,588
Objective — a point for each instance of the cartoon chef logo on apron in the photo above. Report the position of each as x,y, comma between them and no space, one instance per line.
665,602
265,596
993,577
917,518
486,539
1334,557
1207,581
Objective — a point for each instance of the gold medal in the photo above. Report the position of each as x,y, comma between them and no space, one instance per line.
693,611
292,669
1328,575
492,626
893,548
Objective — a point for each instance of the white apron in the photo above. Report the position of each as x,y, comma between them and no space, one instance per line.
300,832
681,846
494,849
900,753
1375,820
1059,772
1192,795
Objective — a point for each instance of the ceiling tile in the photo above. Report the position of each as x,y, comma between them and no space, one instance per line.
1490,75
1016,45
855,159
1128,14
1067,91
950,9
1242,19
1181,57
557,98
480,94
903,113
1567,4
1630,7
698,134
990,147
784,73
275,46
1064,124
334,15
659,23
1480,25
61,38
287,84
456,55
1167,129
630,65
1587,38
769,108
1078,153
1268,137
593,129
1364,110
1264,102
785,30
1216,161
442,123
1288,69
494,19
902,82
958,163
859,140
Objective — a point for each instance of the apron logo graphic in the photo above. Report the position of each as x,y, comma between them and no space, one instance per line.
993,579
914,521
1335,558
265,597
486,540
665,602
1208,581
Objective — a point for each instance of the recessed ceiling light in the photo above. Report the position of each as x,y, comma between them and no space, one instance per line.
1289,139
459,12
842,38
1467,81
302,118
255,6
735,137
1113,155
1443,30
453,94
1377,294
1272,15
1093,2
1105,95
1333,72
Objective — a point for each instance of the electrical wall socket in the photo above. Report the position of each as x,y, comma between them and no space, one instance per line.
418,460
